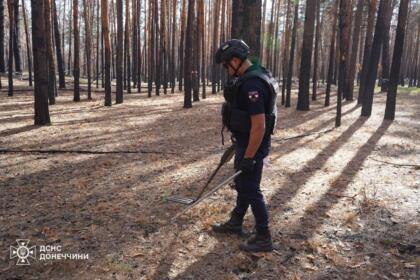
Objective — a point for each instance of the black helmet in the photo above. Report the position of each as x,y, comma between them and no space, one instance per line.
232,48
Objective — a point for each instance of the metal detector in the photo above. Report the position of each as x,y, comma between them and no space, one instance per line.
226,157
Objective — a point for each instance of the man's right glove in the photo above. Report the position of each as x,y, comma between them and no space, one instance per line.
247,165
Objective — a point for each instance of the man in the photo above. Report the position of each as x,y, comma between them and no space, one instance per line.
250,114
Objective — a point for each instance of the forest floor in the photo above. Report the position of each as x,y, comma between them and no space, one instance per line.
344,203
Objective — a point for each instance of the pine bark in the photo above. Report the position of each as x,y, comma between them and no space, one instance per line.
385,50
39,45
11,43
355,43
305,64
246,25
366,52
316,50
331,63
120,51
76,62
16,37
344,18
2,60
396,61
28,51
188,50
52,83
58,49
367,103
88,44
292,55
107,49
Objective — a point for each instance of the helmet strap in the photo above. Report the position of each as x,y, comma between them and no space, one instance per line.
235,74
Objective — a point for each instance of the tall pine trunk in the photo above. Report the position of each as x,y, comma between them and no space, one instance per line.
366,52
76,63
107,47
367,103
16,37
10,7
331,60
396,61
52,84
188,50
292,55
348,92
58,50
246,25
344,18
305,64
120,51
39,46
316,50
2,60
28,51
88,44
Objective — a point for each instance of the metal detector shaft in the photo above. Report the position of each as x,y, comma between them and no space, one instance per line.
226,157
222,184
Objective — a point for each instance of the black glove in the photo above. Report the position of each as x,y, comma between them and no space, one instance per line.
247,165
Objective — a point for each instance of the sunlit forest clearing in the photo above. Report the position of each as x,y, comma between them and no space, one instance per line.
99,128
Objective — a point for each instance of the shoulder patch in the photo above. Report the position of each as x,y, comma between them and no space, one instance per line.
253,96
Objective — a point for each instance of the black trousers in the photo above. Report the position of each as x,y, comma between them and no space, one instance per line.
249,192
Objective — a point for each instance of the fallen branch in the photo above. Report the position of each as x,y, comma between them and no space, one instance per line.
35,151
302,135
340,195
397,164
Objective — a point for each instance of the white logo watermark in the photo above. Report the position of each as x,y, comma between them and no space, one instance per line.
46,252
22,252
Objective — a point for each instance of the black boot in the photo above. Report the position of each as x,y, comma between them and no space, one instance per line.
260,242
233,226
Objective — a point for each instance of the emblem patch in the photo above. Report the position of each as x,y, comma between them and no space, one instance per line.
253,96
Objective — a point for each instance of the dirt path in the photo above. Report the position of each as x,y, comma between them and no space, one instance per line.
337,210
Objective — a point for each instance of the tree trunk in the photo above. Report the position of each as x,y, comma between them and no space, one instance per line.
28,51
88,44
52,84
182,44
344,18
188,50
39,45
396,61
348,91
76,63
120,51
127,79
292,55
151,58
385,50
107,45
374,58
215,46
16,37
331,63
174,6
246,25
305,64
57,36
286,52
2,60
201,19
366,52
317,39
10,62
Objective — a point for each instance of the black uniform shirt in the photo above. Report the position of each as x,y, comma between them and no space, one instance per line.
254,98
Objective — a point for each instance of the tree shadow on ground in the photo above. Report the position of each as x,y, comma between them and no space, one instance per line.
313,217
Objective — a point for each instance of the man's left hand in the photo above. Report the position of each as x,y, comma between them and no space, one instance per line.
247,165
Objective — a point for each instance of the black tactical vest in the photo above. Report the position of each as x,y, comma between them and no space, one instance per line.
239,121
